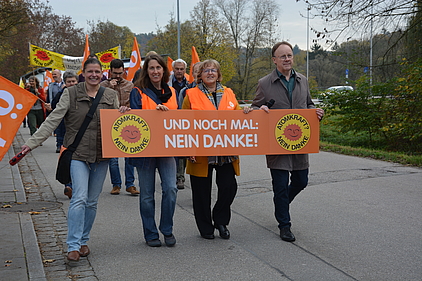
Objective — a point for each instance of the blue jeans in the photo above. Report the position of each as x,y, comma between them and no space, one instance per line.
116,179
87,184
129,174
284,193
60,131
146,171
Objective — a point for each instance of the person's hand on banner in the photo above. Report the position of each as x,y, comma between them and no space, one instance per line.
246,110
320,113
124,109
162,107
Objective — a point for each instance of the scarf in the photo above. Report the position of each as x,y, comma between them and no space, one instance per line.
164,97
215,98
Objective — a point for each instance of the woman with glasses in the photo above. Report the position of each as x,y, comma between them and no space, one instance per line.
210,94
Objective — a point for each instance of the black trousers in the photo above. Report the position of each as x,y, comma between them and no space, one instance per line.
201,195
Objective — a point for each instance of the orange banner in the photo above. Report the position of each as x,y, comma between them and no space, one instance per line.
195,59
135,61
153,133
15,103
169,64
48,78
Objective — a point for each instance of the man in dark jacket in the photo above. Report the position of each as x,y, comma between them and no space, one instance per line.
290,90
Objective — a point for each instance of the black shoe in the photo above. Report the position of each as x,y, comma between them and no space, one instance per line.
180,184
208,236
154,243
224,232
58,150
170,240
287,235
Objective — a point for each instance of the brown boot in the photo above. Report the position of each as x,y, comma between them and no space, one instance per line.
73,256
132,190
116,190
84,251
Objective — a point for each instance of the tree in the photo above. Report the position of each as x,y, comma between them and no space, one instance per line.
165,42
252,25
12,16
413,36
35,23
143,39
106,35
212,38
350,15
55,33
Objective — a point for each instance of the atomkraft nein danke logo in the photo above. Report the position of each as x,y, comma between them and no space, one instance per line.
131,134
42,57
293,132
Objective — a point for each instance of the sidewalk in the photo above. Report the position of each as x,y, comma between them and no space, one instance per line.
358,219
19,250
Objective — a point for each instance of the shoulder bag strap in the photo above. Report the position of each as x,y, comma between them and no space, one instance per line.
87,120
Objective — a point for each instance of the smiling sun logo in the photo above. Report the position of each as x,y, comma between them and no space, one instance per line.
293,132
131,133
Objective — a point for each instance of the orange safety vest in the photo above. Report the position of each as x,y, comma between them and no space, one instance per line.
200,101
148,103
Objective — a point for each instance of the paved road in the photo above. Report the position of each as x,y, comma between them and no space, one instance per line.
359,219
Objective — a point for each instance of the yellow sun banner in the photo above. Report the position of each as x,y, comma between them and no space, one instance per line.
105,57
45,58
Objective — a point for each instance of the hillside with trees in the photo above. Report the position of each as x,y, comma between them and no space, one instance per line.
240,34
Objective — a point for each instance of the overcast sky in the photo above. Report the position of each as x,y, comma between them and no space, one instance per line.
143,16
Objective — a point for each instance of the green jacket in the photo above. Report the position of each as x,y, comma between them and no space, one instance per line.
73,107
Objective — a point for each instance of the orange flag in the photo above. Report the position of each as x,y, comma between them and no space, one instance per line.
169,62
195,59
135,60
87,52
48,78
15,104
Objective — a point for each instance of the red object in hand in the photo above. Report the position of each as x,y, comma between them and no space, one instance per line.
16,158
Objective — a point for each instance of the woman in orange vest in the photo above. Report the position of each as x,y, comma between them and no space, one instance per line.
152,92
209,94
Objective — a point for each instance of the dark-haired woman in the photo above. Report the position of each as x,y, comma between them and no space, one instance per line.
88,169
152,92
37,113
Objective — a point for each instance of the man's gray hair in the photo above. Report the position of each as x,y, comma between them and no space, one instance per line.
179,60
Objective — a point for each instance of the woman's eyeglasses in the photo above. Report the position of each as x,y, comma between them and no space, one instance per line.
208,70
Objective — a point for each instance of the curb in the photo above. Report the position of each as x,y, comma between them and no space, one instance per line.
32,252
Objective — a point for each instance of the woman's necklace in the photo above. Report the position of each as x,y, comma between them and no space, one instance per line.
92,92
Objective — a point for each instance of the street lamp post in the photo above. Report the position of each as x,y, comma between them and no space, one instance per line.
178,31
307,44
370,43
